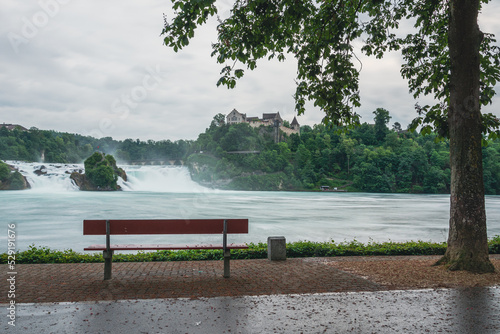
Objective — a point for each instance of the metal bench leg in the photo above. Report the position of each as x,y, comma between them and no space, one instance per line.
108,260
227,257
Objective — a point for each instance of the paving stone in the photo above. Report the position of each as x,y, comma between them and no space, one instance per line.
192,279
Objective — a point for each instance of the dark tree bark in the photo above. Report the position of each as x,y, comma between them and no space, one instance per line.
467,240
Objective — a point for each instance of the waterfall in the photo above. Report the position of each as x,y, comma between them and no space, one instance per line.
55,177
52,177
159,179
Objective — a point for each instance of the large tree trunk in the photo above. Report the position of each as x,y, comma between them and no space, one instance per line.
467,241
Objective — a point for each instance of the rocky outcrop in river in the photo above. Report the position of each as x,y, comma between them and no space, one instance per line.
11,179
101,174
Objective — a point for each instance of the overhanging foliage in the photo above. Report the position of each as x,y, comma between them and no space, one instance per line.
321,35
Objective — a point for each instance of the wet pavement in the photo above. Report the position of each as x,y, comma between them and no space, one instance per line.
472,310
308,295
76,282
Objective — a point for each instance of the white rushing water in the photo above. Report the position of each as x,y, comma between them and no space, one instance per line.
51,213
159,179
56,177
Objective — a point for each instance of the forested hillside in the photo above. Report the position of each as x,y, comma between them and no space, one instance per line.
371,158
51,146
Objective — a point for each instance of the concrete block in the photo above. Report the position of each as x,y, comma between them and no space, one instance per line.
276,248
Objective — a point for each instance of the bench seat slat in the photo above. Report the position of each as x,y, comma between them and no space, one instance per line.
162,247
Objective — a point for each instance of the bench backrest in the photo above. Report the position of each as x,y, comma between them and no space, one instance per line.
164,226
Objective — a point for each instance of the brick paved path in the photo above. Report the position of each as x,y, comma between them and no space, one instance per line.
37,283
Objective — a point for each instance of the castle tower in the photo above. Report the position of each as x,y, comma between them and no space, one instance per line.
295,125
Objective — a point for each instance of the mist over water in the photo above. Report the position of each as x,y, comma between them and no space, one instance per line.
52,212
159,179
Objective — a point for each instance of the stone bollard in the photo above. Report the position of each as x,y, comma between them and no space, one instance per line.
276,248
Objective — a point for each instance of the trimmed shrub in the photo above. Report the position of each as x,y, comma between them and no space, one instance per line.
255,251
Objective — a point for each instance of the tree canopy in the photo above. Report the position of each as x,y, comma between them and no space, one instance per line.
321,36
446,56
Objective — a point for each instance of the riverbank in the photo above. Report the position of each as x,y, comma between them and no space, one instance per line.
300,249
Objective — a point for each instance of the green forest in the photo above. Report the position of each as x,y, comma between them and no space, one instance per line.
370,158
51,146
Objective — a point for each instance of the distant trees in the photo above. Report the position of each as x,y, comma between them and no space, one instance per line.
219,120
52,146
381,119
357,160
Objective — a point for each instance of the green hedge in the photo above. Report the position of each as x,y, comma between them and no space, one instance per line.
255,251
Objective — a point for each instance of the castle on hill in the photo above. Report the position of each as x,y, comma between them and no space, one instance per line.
271,119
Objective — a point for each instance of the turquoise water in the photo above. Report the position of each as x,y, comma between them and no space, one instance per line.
52,215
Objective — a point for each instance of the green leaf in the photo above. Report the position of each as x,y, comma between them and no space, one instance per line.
238,73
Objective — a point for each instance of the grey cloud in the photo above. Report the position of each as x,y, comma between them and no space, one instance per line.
75,74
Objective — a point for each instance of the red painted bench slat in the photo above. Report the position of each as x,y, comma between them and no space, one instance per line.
164,226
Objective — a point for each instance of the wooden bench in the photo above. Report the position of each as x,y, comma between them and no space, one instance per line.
163,226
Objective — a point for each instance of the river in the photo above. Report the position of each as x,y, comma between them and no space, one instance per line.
51,213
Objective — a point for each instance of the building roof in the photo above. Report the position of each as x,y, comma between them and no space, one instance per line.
234,111
13,126
294,122
271,116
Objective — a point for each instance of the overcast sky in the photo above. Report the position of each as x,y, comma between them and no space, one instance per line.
100,68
